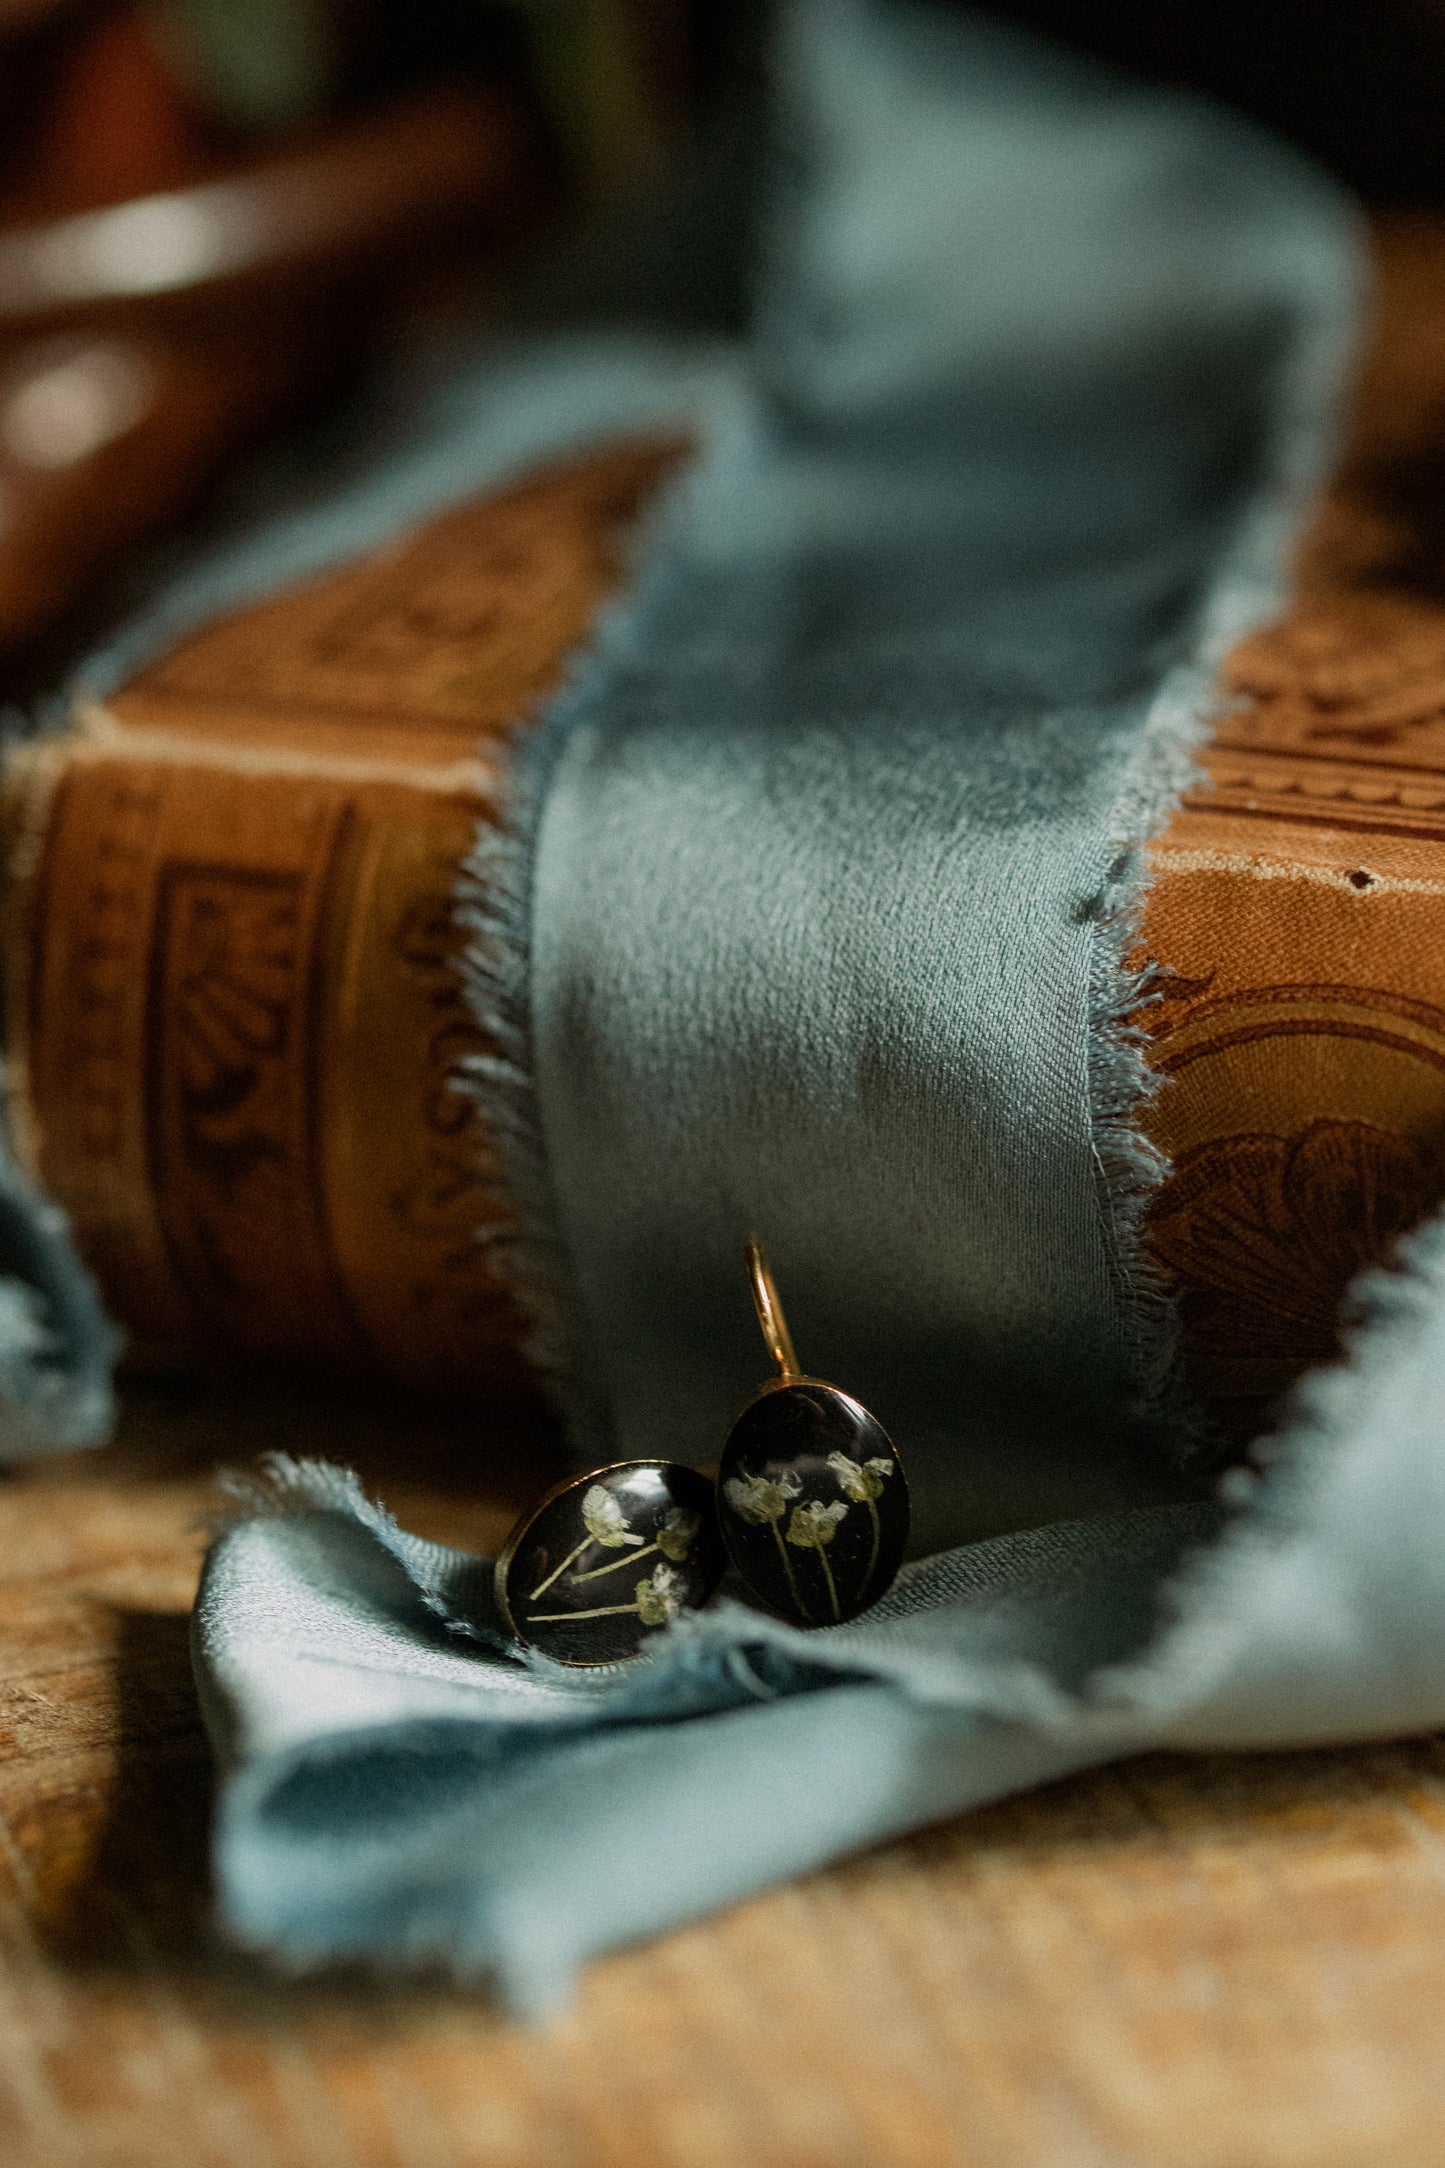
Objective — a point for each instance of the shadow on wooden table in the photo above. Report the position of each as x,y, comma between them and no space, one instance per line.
141,1911
119,1819
147,1896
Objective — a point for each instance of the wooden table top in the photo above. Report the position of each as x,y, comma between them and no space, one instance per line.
1216,1962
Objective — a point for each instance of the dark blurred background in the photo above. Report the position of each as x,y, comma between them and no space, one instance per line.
212,212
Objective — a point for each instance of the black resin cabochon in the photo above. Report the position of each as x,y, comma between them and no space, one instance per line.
813,1503
608,1560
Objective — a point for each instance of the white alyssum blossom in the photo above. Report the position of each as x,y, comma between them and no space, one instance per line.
812,1528
659,1598
675,1537
605,1520
862,1481
606,1524
815,1524
762,1498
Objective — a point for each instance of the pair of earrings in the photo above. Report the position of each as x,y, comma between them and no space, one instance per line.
809,1505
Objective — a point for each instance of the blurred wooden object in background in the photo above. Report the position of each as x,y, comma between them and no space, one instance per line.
162,299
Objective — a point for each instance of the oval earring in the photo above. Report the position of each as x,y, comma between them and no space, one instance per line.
607,1558
812,1499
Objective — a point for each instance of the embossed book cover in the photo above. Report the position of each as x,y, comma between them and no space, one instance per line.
1298,901
234,1008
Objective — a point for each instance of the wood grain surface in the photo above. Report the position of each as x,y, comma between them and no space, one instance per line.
1210,1963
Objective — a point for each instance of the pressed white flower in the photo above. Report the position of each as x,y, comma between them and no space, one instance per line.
606,1523
675,1537
861,1481
762,1498
812,1528
659,1599
815,1524
656,1600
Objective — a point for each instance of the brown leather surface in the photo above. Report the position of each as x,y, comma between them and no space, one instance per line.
1299,901
235,1007
418,652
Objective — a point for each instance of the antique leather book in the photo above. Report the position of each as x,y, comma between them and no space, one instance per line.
233,1007
1298,902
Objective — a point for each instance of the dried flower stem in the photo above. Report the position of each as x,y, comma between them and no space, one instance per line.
558,1571
593,1573
788,1570
557,1618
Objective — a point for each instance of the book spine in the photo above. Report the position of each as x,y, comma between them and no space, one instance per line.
235,1008
234,1018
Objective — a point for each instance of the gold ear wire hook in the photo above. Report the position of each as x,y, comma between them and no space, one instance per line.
770,1312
